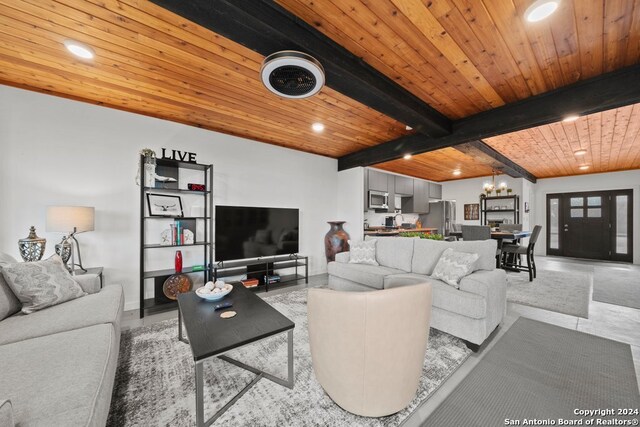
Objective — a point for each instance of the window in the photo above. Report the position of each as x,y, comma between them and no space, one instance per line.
577,213
594,201
594,212
622,226
577,201
554,225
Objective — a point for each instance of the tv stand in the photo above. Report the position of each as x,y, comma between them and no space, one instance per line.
265,266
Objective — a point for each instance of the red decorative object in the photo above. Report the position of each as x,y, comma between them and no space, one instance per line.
196,187
178,262
336,240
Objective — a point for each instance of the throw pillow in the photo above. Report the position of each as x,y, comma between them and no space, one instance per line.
453,266
363,252
41,284
9,304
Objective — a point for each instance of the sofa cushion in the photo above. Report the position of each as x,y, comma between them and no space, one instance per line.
426,254
453,266
41,284
104,307
63,379
369,275
445,297
9,303
395,252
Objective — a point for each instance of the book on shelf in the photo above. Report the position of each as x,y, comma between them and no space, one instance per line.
272,278
250,283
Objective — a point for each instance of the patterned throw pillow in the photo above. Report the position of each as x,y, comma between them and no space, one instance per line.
453,266
41,284
363,252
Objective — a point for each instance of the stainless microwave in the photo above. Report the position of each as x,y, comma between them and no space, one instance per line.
378,200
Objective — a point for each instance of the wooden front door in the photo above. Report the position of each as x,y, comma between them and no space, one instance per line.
594,225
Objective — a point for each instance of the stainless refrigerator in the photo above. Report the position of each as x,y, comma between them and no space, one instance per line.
442,215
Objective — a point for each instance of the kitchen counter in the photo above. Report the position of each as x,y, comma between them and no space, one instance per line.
383,231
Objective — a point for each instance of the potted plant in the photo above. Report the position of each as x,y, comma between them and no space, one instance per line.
509,191
498,191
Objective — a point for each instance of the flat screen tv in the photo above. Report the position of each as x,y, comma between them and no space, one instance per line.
252,232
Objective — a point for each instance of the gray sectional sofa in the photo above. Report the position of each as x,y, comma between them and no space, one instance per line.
59,363
471,312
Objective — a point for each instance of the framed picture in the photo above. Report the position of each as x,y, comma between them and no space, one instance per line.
472,211
163,205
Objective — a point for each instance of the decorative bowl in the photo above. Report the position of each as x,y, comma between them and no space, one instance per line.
213,296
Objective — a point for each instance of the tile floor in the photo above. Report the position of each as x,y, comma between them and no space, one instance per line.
606,320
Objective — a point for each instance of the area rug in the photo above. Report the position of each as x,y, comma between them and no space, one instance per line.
155,379
559,291
617,286
538,371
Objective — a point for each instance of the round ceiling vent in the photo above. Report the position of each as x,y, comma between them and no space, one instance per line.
292,74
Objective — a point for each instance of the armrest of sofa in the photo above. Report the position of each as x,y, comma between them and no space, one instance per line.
6,413
90,283
343,257
492,285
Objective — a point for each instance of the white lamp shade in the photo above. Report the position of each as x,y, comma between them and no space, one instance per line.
64,219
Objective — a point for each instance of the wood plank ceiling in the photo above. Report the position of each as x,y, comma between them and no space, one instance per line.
154,62
460,56
611,140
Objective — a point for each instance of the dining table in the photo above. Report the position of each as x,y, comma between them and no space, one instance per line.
500,236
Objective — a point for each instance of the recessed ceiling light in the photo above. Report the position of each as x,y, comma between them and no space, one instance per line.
457,172
407,156
580,152
407,127
571,118
80,50
583,167
317,127
541,9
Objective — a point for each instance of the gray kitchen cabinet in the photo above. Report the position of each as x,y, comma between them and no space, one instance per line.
378,181
403,186
419,203
435,190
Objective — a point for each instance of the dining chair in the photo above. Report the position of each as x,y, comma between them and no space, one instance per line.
515,263
480,232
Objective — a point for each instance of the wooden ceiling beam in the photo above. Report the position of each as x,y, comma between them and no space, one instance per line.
605,92
266,27
487,155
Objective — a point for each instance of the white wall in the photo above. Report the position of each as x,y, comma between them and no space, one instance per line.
466,191
592,182
61,152
350,194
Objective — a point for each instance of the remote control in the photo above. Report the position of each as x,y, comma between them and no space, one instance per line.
222,305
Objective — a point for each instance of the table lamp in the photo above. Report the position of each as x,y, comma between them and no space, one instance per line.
71,220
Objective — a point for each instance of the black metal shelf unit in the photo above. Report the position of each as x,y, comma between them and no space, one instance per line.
156,304
263,266
508,206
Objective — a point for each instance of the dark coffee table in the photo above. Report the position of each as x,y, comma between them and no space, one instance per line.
211,336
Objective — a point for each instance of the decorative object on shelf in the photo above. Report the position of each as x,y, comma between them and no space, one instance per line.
472,211
71,220
164,205
149,172
178,262
185,156
196,187
164,178
166,237
336,240
498,191
176,284
32,247
197,268
509,191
